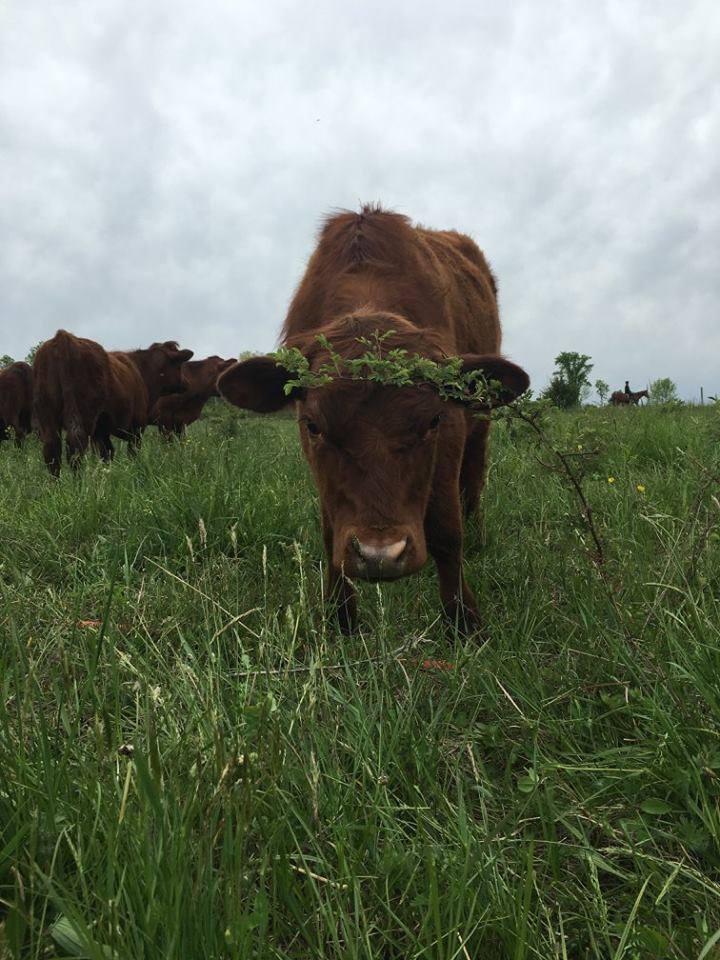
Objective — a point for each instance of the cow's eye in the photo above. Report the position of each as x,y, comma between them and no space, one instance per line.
312,428
435,422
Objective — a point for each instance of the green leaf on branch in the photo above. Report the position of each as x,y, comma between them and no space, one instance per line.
393,368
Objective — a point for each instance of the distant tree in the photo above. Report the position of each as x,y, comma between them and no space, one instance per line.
6,360
571,380
32,351
662,391
575,367
561,393
247,355
602,389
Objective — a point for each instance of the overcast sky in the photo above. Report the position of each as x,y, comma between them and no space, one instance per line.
164,166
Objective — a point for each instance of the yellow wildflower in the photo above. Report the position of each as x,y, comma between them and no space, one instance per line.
640,487
611,479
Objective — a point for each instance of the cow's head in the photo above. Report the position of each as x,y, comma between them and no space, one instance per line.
372,449
162,366
200,376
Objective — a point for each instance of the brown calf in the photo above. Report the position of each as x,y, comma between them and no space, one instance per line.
92,394
16,392
393,466
173,413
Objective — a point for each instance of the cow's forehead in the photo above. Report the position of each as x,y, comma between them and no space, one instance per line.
341,406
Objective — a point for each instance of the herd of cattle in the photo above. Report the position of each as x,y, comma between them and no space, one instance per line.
76,387
397,469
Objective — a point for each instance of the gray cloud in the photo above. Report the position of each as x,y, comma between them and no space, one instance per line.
166,165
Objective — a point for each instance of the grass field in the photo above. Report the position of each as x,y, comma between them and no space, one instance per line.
195,764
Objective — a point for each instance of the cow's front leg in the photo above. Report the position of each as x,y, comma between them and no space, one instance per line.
340,590
444,536
134,438
52,450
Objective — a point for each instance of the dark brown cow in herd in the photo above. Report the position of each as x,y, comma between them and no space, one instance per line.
173,413
94,395
16,393
394,467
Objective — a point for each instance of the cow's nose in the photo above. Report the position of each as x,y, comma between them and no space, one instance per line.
378,559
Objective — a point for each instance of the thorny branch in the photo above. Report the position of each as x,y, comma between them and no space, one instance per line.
564,461
599,556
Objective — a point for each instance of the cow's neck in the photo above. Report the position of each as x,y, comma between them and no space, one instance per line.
143,361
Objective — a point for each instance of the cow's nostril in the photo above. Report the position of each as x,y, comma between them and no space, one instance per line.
394,551
380,553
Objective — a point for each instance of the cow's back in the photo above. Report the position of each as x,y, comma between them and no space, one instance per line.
469,290
70,380
439,280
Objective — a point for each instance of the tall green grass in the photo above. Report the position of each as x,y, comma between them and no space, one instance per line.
194,763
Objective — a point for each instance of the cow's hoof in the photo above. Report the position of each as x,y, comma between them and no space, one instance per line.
465,620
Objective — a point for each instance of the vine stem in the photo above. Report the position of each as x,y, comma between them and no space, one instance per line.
587,511
599,558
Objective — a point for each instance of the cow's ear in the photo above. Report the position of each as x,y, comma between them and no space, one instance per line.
183,355
512,379
257,384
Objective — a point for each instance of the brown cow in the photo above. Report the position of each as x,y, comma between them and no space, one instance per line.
173,413
16,390
93,395
392,465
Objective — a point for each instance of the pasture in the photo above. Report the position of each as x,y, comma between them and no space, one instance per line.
195,763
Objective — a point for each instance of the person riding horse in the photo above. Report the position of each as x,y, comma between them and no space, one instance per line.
621,398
